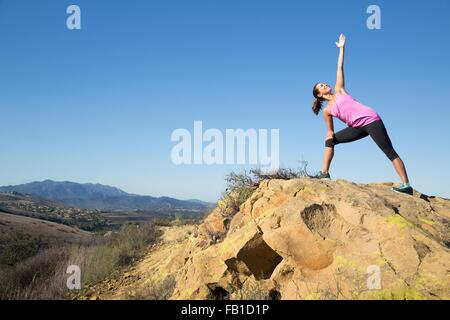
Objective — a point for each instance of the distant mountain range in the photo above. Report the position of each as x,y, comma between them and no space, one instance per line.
98,196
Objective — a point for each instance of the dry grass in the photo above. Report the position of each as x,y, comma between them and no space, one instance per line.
43,275
154,290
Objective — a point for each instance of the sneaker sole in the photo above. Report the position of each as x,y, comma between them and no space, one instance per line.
409,194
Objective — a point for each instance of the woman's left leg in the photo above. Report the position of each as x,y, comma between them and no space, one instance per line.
346,135
379,134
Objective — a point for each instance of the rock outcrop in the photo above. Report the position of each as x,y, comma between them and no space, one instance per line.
310,239
306,239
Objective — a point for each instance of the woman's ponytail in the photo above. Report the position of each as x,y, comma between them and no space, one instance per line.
317,106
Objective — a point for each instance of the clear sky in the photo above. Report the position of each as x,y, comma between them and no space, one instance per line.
99,104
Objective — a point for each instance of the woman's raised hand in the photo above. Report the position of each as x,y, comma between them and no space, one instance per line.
341,42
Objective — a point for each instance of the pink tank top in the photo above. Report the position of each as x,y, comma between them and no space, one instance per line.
353,113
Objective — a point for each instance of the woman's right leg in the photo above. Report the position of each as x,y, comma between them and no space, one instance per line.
346,135
399,167
379,134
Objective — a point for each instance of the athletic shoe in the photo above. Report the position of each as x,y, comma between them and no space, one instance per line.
403,188
321,175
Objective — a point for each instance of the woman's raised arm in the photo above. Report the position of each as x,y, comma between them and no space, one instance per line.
340,82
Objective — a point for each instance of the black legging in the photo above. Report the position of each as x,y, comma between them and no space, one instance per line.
376,130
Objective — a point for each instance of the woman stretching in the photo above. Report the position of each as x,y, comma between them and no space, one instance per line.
361,120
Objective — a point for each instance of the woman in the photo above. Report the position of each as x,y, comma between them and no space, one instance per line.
361,120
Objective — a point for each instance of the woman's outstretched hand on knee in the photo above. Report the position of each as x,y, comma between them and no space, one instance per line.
330,135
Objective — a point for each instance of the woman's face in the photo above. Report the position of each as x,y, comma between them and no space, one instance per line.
323,89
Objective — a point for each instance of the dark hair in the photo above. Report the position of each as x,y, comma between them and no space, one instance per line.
317,104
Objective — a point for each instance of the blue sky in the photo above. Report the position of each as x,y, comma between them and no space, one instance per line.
99,104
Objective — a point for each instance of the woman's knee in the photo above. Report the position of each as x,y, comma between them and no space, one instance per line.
330,143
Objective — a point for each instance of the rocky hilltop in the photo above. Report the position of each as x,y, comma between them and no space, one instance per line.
304,239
